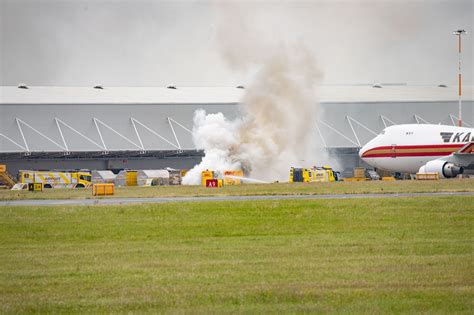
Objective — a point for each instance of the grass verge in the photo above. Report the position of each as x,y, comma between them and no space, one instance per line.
350,256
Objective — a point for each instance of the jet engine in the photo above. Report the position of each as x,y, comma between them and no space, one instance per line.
443,168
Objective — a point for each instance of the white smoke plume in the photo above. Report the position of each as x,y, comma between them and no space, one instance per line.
276,130
216,135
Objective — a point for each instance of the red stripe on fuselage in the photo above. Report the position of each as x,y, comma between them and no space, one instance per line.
418,150
431,146
407,154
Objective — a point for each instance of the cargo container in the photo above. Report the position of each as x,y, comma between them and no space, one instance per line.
102,177
131,178
103,189
152,177
359,172
126,178
175,177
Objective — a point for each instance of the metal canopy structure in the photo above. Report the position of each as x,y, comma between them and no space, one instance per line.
67,145
158,121
355,140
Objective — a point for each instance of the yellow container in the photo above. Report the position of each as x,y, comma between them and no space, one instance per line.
388,178
131,178
3,168
205,175
103,189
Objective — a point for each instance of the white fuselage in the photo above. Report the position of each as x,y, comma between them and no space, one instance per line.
405,148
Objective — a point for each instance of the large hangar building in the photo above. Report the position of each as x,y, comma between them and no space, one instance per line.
148,128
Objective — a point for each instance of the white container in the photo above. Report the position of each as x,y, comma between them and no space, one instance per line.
120,180
146,177
102,177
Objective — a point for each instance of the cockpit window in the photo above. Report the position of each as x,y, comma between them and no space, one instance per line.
382,132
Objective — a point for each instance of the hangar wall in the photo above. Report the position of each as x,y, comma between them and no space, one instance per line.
37,134
100,120
109,127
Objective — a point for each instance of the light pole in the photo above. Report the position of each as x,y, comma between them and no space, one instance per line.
459,33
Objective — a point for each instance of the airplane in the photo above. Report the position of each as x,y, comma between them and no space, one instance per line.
421,148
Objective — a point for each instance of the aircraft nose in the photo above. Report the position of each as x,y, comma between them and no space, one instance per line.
362,151
368,146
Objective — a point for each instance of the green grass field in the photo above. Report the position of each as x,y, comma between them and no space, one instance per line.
410,255
261,189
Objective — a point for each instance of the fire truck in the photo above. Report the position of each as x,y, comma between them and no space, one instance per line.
56,179
315,174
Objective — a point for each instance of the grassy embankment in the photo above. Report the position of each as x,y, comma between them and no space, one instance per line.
253,189
350,256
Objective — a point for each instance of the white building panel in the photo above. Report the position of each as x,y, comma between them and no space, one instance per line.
60,119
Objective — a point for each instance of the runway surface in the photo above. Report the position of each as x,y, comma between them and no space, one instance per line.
121,201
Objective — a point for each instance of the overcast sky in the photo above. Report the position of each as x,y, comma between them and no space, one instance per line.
201,43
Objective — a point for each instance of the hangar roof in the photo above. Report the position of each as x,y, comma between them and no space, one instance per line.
221,95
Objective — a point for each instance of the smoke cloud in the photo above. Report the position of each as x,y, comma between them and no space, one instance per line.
217,136
276,130
278,110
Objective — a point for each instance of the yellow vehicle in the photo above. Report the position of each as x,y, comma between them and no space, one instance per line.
5,178
233,177
74,179
315,174
230,177
301,175
332,175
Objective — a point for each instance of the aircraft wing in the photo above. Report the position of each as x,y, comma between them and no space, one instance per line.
463,157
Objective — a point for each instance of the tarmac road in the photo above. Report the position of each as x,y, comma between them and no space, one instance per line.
121,201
